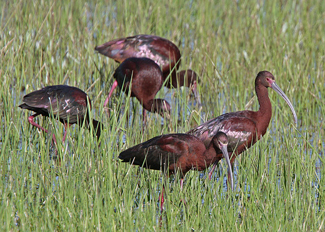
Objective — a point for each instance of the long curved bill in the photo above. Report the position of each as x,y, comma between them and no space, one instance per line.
226,155
282,94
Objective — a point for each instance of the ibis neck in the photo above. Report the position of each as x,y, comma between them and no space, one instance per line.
264,114
159,106
210,154
181,78
172,82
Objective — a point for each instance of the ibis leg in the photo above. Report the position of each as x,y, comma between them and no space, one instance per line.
31,121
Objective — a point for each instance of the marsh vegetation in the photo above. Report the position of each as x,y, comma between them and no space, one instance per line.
279,182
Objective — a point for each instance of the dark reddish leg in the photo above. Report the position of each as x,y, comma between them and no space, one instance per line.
161,197
212,170
162,200
31,121
196,94
66,126
110,92
182,181
144,116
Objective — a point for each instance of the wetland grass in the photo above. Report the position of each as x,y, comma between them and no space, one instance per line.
279,181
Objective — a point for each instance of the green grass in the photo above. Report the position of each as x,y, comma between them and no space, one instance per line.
279,181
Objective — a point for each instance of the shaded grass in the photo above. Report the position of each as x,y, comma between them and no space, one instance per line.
279,184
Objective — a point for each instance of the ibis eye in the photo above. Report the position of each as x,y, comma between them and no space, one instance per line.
270,81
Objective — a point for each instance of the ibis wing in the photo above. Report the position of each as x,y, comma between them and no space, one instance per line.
61,100
238,126
157,153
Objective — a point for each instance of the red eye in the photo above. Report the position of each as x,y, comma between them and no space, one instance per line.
269,80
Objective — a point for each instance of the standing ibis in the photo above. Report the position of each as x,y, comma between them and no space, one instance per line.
165,53
68,104
177,152
143,77
243,128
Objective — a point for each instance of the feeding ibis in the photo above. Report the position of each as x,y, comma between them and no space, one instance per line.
165,53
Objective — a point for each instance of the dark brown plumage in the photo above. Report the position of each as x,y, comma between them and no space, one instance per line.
68,104
243,128
144,78
165,53
174,153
